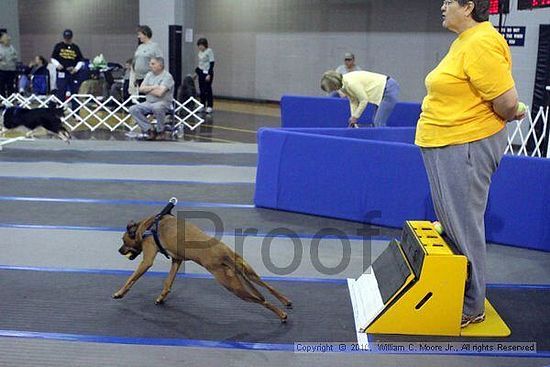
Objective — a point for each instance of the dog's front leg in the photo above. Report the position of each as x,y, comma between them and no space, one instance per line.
176,263
141,269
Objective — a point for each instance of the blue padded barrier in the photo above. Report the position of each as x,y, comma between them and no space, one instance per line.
404,114
302,111
377,176
326,112
341,177
518,212
397,134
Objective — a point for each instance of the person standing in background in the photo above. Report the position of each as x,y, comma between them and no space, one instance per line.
205,73
348,65
146,50
8,61
68,60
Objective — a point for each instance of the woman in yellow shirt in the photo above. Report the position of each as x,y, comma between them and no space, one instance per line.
461,131
363,87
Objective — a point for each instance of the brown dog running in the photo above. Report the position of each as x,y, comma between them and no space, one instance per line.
228,267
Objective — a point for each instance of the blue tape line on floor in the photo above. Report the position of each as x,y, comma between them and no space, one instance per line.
160,182
133,163
519,286
187,204
257,235
343,281
160,274
68,228
146,341
194,343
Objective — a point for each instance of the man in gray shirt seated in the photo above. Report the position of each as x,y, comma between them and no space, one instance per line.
158,87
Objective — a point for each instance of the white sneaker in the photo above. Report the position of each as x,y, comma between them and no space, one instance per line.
209,110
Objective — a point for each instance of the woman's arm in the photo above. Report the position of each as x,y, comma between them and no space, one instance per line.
506,105
358,99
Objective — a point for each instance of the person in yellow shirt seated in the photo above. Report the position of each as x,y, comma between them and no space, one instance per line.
461,131
362,88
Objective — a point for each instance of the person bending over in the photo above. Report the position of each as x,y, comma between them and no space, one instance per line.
362,88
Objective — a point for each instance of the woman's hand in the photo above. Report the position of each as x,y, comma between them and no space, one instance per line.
352,122
521,111
207,78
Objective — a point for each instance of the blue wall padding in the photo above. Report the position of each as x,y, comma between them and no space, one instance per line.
340,177
302,111
326,112
518,212
348,174
394,134
404,114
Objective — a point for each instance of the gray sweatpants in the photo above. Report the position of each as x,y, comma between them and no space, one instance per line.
459,177
389,100
140,111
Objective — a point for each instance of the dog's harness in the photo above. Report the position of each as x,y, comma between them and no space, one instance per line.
153,229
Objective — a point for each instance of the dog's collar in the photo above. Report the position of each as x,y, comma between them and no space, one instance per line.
153,228
153,231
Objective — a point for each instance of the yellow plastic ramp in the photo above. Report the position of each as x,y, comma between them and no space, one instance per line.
493,326
416,287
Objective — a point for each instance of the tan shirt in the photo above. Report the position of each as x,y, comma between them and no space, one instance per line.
363,87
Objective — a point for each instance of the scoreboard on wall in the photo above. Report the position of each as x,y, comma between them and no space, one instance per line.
503,6
532,4
499,6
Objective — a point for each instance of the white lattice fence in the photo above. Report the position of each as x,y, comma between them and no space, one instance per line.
524,131
93,112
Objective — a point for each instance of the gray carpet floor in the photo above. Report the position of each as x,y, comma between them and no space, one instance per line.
43,182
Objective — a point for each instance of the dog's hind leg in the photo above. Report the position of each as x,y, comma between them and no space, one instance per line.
282,298
176,263
237,284
250,274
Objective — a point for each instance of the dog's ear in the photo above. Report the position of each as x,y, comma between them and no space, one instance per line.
131,229
142,226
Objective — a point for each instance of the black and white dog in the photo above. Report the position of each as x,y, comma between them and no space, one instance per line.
48,118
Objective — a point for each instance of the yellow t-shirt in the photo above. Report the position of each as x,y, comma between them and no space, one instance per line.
458,108
363,87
